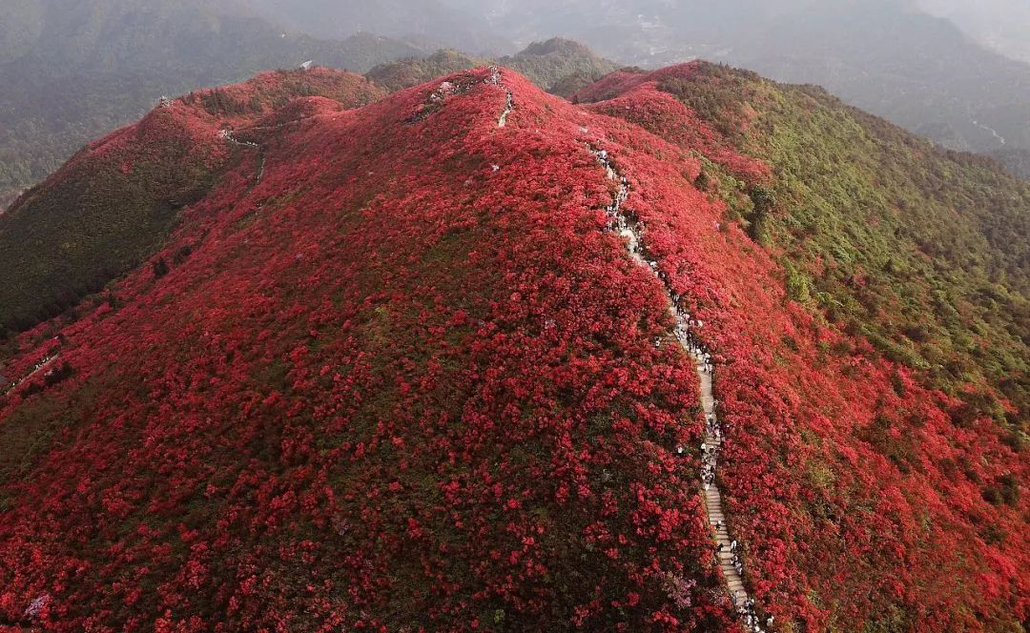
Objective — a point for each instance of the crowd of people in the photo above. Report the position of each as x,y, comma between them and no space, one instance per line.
709,457
8,387
746,611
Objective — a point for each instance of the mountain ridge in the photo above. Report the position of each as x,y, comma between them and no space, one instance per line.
413,328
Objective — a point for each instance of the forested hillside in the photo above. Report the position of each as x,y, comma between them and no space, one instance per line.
923,252
916,256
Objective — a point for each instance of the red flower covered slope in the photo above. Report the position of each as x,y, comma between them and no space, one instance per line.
396,374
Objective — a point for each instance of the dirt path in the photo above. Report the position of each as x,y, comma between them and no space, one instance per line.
509,104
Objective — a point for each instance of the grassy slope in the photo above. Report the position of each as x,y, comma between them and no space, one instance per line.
925,253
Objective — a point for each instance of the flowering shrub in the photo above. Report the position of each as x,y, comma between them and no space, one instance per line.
860,496
407,381
390,386
116,201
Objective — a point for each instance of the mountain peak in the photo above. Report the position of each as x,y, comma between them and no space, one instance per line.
469,355
557,45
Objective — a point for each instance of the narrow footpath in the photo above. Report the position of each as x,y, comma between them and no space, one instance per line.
230,137
509,104
40,366
727,551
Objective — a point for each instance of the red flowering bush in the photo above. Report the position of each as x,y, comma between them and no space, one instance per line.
407,380
117,200
856,490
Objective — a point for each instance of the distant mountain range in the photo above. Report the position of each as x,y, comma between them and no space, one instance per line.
1001,25
430,23
559,66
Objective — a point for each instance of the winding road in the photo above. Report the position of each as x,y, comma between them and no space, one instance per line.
994,132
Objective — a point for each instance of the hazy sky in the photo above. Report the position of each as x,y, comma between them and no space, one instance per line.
1001,24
